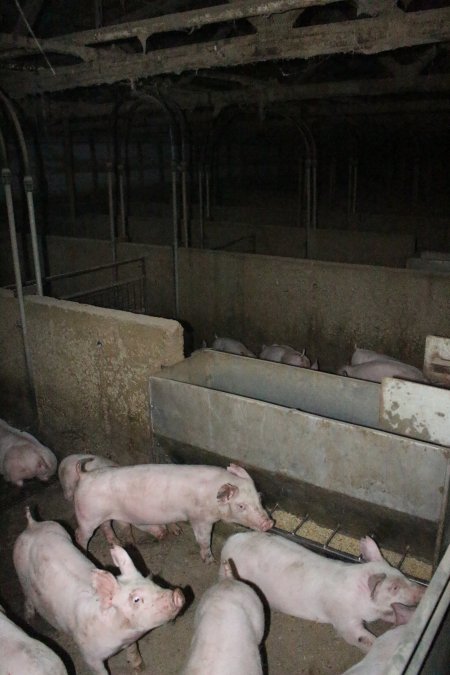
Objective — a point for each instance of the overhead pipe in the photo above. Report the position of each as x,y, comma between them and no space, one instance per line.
6,180
28,186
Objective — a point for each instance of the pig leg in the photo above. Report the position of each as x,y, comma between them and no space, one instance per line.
134,658
108,532
357,635
175,529
125,531
29,610
82,535
96,666
202,533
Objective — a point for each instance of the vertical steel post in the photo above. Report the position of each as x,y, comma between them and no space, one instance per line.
208,193
123,219
6,179
69,170
308,205
28,184
300,192
175,238
200,206
112,224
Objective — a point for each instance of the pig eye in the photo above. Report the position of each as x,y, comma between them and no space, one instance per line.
241,507
136,599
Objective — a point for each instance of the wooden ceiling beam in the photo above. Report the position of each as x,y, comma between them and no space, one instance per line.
365,36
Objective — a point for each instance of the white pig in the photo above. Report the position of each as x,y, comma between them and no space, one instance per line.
374,371
224,344
22,456
22,655
102,613
229,626
360,356
377,660
69,474
152,495
69,470
304,584
287,355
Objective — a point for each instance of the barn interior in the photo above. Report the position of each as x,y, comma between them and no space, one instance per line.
272,171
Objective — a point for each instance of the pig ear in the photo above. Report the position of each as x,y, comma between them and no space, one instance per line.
237,470
369,550
123,561
105,585
226,492
42,464
403,613
315,365
373,582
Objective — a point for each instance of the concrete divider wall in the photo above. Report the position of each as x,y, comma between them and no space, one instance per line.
326,307
91,368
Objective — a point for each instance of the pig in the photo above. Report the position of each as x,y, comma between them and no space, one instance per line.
69,474
374,371
301,583
287,355
152,495
22,456
101,612
224,344
22,655
360,356
376,662
69,470
229,626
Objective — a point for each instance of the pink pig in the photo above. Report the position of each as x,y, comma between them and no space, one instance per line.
287,355
23,655
374,371
231,346
102,613
22,456
377,660
229,626
153,495
301,583
69,472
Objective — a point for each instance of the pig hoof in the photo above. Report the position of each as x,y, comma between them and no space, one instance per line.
365,642
208,558
174,529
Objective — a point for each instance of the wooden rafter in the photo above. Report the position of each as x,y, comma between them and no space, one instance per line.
365,36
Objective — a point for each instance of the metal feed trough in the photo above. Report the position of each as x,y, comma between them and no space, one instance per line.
314,442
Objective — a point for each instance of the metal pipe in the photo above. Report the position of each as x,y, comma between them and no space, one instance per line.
184,202
6,179
208,193
355,186
300,193
123,218
308,206
28,183
200,205
175,238
112,225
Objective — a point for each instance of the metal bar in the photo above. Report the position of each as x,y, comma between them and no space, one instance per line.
301,523
123,223
200,206
144,283
308,205
184,202
208,194
119,263
332,535
234,241
6,179
355,186
175,238
101,289
112,224
28,184
69,170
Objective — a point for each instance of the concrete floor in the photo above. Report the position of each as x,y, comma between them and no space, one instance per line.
292,646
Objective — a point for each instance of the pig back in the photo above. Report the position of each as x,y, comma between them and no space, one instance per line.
54,575
229,626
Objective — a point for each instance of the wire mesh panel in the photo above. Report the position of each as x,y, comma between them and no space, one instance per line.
127,295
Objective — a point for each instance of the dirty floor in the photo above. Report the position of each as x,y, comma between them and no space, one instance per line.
292,646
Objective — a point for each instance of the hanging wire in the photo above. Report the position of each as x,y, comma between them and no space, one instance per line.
34,36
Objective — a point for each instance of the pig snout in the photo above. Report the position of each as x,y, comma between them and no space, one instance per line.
266,524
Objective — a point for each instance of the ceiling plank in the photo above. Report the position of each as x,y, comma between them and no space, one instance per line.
365,36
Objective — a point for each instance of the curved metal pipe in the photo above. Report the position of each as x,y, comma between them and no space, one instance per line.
28,185
6,180
174,157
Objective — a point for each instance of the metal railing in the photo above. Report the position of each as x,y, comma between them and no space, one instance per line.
129,294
